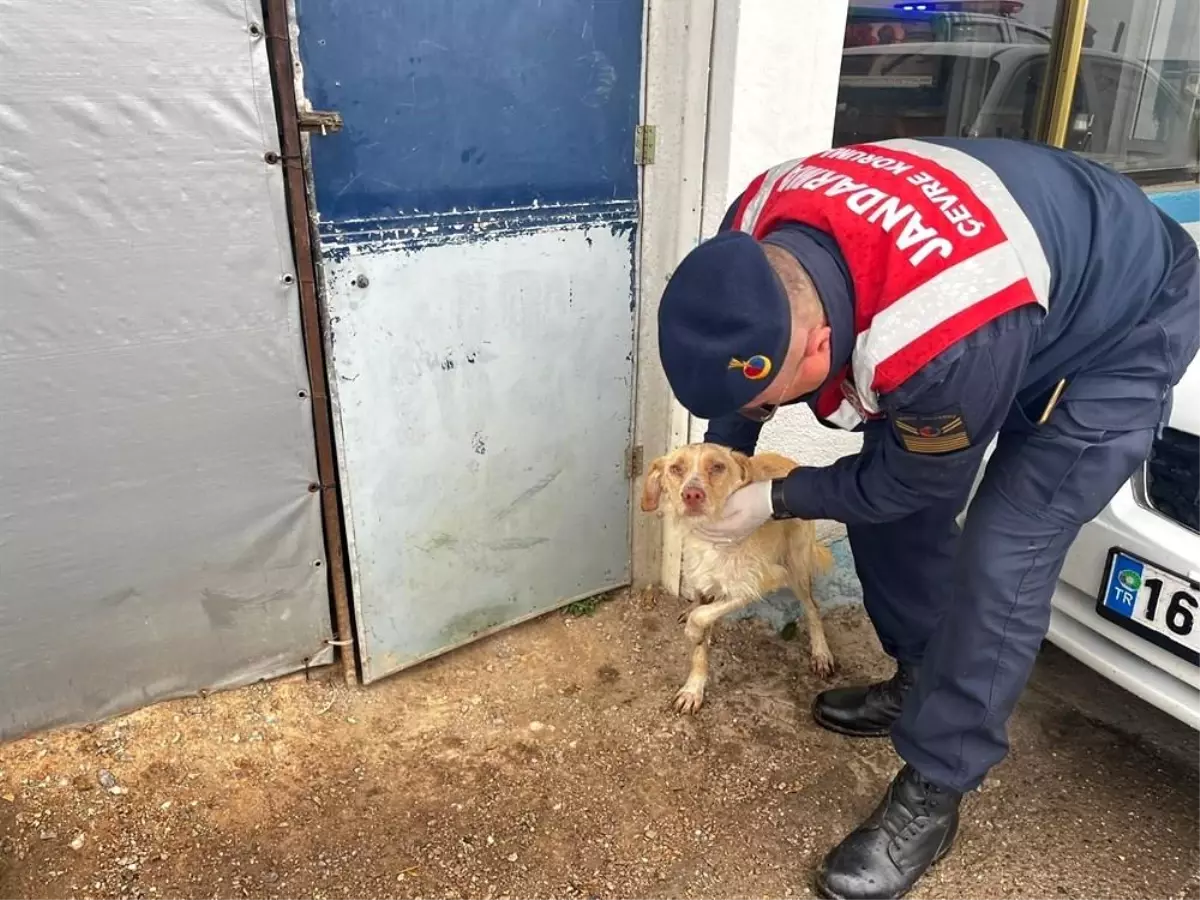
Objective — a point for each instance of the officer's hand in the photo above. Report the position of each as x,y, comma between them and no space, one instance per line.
746,509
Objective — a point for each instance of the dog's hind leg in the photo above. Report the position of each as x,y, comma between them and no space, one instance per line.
800,580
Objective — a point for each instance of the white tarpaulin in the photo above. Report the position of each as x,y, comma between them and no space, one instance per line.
157,534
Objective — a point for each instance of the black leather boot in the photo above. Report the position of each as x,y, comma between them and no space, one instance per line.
865,710
911,829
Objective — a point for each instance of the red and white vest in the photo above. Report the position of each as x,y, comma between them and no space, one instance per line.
936,247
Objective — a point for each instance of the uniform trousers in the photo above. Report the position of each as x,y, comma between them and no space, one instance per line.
970,606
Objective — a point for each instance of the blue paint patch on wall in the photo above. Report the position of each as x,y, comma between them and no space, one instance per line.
456,105
1182,205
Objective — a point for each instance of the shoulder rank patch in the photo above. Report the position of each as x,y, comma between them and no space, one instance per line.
932,434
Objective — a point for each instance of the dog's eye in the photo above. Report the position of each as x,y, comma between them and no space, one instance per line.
677,469
717,468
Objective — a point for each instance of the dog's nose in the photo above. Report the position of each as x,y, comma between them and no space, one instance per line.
693,494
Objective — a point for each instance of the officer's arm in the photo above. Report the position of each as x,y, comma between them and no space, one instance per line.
938,427
733,431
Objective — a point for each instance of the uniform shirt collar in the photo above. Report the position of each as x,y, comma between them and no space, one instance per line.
818,253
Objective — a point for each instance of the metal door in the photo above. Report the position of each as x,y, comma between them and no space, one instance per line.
477,216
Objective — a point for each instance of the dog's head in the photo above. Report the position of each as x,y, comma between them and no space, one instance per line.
696,480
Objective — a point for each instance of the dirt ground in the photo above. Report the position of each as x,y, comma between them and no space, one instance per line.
546,762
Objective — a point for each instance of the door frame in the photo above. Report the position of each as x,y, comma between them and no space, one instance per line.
675,100
279,29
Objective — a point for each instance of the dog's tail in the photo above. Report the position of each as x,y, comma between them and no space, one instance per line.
822,558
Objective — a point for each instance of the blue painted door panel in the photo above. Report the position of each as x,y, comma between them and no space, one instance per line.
472,104
477,220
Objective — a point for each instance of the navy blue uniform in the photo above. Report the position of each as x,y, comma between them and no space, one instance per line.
1123,325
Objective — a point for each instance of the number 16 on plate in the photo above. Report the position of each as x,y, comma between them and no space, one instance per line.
1154,603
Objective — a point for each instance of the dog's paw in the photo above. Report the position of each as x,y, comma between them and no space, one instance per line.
689,699
822,664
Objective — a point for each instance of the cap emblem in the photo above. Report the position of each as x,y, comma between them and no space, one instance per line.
755,368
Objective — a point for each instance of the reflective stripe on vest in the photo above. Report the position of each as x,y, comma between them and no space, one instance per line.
935,243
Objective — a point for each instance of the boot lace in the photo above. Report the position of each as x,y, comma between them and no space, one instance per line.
910,812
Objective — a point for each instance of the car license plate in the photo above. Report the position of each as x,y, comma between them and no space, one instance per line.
1159,605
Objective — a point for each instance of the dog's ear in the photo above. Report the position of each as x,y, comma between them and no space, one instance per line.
652,488
742,461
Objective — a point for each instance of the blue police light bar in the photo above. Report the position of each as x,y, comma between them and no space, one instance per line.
994,7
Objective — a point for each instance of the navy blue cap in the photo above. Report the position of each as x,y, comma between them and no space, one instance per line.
724,325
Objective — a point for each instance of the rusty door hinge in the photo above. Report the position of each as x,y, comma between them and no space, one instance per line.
633,461
645,140
320,120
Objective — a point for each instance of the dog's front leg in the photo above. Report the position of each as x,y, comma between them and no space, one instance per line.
693,595
690,697
698,632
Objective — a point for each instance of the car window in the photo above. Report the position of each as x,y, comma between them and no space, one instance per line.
1141,72
1029,36
1014,114
891,87
1137,122
981,32
864,31
1013,111
1113,94
887,95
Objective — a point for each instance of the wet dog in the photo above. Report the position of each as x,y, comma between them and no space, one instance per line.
695,481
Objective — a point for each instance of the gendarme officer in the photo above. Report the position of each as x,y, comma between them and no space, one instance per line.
934,295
